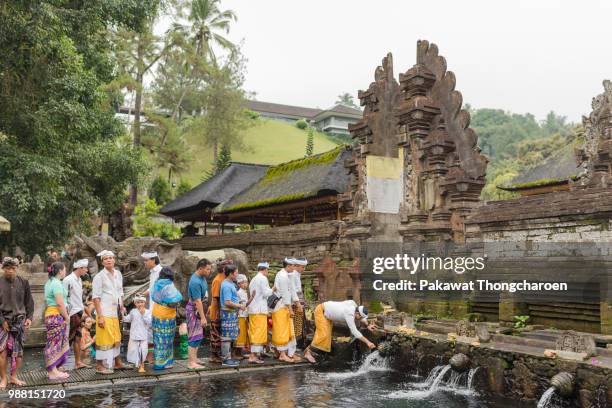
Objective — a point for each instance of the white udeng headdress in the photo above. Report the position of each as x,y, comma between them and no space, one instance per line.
106,253
149,255
81,263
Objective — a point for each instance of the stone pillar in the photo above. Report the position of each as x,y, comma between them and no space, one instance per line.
605,305
510,307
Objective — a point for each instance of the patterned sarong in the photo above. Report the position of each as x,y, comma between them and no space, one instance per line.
229,324
243,335
56,347
282,328
195,331
298,321
215,328
12,341
164,325
322,339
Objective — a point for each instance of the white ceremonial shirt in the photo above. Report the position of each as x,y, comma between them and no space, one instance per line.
261,285
284,289
140,324
296,281
343,312
154,275
243,298
109,289
74,288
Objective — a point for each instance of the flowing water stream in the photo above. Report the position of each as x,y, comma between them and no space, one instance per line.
371,384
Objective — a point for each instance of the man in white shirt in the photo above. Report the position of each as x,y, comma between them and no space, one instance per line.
152,263
283,334
298,313
328,313
107,294
259,289
74,289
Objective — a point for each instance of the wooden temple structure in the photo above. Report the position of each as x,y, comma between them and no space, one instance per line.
299,191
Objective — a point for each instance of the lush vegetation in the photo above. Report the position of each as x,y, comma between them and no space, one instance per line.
145,224
62,158
515,143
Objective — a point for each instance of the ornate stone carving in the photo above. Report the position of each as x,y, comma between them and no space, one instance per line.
465,329
576,343
595,156
376,134
443,168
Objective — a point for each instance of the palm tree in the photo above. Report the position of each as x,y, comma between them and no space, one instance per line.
206,21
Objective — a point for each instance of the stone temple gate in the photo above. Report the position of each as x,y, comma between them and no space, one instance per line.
416,173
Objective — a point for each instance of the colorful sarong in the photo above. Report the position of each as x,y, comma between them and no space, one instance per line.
298,321
164,325
56,347
12,341
258,329
229,324
282,328
195,331
322,339
243,335
215,328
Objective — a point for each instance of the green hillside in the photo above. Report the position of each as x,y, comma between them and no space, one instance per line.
269,142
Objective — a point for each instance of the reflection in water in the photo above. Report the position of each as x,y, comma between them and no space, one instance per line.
281,388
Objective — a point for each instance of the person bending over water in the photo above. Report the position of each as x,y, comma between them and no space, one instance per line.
329,312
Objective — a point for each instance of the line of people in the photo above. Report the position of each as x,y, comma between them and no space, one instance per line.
238,314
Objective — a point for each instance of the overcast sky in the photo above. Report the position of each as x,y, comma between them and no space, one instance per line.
517,55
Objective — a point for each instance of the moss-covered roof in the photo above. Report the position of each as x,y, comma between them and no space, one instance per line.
221,187
557,169
318,175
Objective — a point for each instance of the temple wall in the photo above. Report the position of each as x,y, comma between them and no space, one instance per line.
539,235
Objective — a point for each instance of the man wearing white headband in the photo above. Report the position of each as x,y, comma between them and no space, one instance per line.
74,289
259,290
153,265
140,323
107,295
328,313
283,334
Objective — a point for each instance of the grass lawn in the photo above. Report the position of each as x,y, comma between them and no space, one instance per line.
269,142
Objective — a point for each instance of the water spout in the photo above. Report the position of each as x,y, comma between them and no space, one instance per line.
439,376
546,397
470,378
459,362
563,383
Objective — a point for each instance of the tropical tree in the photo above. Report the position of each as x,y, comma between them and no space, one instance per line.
62,159
137,51
346,99
205,23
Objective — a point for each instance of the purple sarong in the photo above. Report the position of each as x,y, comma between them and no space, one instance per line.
57,347
12,342
195,331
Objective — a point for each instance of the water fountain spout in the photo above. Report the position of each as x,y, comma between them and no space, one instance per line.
459,362
563,382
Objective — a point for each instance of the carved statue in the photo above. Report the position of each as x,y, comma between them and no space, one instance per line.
443,168
595,156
